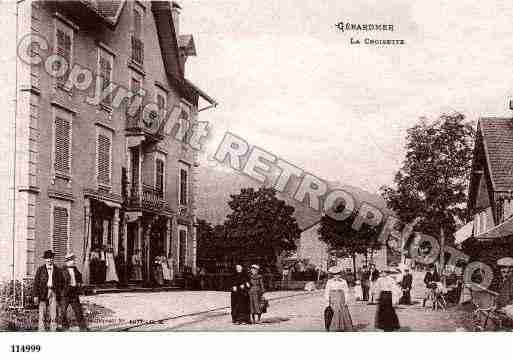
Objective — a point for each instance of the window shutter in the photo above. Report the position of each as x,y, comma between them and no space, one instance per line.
183,187
105,73
60,233
62,145
64,48
159,185
104,159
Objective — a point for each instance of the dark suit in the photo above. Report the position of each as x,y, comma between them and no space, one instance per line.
406,284
70,296
505,293
48,296
41,283
365,284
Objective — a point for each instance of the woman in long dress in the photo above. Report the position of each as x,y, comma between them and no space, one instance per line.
336,295
240,297
386,317
110,264
136,261
256,291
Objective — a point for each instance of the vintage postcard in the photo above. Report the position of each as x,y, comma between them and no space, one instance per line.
268,166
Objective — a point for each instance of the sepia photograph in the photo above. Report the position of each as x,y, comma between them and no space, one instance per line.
255,166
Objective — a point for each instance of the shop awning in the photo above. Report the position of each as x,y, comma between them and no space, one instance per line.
504,229
463,233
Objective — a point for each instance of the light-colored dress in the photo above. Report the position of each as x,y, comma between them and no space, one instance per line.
136,272
165,269
112,275
336,294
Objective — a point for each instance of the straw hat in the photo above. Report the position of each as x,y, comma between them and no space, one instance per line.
505,262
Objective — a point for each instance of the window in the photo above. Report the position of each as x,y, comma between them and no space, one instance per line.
182,250
137,44
63,47
184,185
135,87
62,146
159,177
105,66
60,231
104,156
135,170
184,122
160,100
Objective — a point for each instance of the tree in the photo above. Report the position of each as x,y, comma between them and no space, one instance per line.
260,224
433,180
343,240
206,241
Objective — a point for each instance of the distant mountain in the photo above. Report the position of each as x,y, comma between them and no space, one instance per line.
215,185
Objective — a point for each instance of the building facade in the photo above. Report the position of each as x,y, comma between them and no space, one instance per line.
96,175
489,235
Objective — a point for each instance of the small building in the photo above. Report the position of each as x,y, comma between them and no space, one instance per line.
490,200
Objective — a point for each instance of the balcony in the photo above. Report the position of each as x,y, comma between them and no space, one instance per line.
149,199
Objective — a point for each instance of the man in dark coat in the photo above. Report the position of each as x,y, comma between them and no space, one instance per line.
47,291
374,276
505,296
240,297
429,279
72,283
406,284
365,282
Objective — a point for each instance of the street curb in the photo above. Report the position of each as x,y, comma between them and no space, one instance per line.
127,327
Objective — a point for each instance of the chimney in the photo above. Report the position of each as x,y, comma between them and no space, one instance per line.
175,11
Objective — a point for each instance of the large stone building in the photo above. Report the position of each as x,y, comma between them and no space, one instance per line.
105,174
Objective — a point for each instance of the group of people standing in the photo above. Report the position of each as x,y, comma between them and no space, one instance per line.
375,285
247,302
55,289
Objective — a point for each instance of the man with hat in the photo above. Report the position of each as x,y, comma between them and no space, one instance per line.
406,284
47,290
505,297
72,282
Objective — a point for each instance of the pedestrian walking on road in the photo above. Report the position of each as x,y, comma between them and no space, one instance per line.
365,282
240,297
47,291
373,289
336,294
386,317
406,285
256,291
72,285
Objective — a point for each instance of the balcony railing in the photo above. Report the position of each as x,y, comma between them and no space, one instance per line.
137,51
149,198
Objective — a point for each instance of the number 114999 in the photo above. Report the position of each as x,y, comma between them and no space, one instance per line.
27,348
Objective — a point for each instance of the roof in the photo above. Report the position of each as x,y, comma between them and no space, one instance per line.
497,134
505,229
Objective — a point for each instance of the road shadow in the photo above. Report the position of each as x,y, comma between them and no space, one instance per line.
273,320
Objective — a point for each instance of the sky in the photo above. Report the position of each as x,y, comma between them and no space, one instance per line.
288,81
